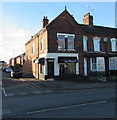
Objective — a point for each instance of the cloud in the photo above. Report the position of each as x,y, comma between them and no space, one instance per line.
12,39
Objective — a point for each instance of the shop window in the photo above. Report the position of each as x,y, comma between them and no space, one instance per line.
96,41
85,43
113,63
114,44
67,68
97,64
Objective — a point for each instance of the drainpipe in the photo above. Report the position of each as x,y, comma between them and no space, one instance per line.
38,55
106,58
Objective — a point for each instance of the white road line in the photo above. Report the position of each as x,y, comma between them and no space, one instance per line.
3,89
65,107
5,94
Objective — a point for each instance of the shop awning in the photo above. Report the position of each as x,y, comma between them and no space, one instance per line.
39,60
67,59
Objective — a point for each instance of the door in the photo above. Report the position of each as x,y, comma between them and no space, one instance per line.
85,66
51,69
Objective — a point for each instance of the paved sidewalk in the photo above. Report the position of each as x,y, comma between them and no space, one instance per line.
68,85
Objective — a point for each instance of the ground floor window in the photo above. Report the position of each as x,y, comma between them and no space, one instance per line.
67,68
97,64
113,63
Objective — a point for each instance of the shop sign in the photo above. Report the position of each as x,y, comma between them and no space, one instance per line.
67,59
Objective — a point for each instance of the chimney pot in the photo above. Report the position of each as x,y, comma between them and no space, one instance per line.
45,21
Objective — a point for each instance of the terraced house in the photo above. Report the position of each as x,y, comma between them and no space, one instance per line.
66,49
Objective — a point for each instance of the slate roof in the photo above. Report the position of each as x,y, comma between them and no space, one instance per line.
98,29
86,28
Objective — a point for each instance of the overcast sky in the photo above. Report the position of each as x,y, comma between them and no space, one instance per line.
20,20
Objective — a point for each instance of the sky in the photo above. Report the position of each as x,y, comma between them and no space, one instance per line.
21,20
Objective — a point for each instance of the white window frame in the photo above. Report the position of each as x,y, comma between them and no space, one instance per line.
85,40
66,36
96,42
41,44
62,49
97,64
114,44
114,63
71,49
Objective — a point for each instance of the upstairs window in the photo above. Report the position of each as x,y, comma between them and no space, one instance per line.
65,41
70,41
33,48
61,42
96,41
85,43
114,44
41,44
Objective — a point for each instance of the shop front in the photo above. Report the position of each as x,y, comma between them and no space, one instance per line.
67,67
58,65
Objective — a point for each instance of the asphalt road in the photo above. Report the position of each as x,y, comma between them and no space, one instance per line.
80,104
88,103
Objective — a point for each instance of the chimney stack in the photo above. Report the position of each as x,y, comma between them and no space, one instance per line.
45,21
88,19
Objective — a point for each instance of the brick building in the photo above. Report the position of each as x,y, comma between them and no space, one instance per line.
64,48
20,59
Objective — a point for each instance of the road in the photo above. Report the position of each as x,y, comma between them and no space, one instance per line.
88,103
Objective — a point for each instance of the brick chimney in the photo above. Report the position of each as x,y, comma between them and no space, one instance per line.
88,19
44,21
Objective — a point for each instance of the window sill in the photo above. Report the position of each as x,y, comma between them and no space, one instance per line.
98,70
71,49
97,51
41,51
62,49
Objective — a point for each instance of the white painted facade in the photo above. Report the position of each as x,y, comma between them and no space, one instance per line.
56,64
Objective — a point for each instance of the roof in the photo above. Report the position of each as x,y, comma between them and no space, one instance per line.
86,28
98,29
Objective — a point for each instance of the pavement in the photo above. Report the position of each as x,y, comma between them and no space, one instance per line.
33,86
68,85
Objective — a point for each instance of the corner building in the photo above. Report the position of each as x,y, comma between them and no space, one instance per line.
65,49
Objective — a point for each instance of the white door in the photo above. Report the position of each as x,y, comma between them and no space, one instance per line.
85,66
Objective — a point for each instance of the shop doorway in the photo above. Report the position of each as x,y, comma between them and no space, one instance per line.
50,69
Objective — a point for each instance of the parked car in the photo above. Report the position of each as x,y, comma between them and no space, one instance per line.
16,73
4,69
8,70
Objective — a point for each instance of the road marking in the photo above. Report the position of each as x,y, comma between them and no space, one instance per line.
65,107
30,83
5,94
